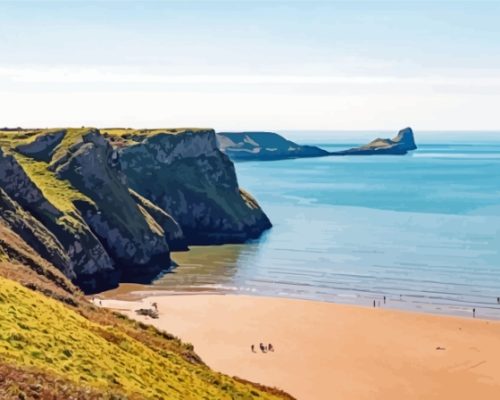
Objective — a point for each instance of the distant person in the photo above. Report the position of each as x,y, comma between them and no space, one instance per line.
155,306
253,348
384,299
498,300
473,313
270,347
373,303
262,347
100,302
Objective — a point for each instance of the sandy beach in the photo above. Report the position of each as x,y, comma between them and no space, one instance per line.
331,351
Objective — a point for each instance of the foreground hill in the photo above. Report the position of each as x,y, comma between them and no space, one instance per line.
263,146
103,207
54,344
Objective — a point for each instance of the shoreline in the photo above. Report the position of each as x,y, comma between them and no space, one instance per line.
404,303
329,350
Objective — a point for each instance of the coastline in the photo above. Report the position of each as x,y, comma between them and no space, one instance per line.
328,350
404,303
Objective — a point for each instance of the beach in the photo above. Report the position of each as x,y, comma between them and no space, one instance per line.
331,351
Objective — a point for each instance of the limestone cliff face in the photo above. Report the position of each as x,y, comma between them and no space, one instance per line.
130,235
33,231
102,213
43,147
187,176
173,232
60,237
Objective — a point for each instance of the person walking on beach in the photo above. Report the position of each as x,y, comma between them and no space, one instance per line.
498,300
373,303
384,299
270,347
253,348
262,347
473,313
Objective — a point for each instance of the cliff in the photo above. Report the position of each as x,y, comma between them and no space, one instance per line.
399,145
263,146
38,195
108,207
185,174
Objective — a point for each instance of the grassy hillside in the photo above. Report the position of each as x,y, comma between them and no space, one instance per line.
40,332
55,344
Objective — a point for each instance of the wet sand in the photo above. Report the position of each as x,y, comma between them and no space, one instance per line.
330,351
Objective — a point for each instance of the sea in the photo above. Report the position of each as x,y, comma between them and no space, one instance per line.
418,232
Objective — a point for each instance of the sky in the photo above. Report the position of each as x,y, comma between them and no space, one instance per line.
251,65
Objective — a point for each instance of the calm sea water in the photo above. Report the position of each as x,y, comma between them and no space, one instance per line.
423,230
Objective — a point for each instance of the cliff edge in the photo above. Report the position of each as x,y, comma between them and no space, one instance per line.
186,175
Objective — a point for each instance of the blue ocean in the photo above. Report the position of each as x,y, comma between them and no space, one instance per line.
421,230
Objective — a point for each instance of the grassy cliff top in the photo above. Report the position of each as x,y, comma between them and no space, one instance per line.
122,137
13,137
150,132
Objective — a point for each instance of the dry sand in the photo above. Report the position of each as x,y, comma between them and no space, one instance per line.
329,351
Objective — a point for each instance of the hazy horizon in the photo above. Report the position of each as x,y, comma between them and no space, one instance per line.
317,136
251,64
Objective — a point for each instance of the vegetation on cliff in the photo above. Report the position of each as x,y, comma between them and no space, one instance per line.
187,176
117,202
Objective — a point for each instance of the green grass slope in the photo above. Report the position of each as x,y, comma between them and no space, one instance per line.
54,344
42,333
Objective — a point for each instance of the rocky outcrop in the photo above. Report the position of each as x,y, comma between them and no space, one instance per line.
34,232
43,146
89,264
187,176
174,234
103,212
399,145
130,235
263,146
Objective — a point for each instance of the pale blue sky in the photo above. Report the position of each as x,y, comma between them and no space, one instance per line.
251,64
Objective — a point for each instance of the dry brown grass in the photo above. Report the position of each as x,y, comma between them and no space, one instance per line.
30,383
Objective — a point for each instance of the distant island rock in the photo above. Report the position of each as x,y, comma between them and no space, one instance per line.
400,145
268,146
263,146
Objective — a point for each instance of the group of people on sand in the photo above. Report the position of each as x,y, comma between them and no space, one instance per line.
263,348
